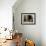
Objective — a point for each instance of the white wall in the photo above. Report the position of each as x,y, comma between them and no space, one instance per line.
43,22
6,13
30,31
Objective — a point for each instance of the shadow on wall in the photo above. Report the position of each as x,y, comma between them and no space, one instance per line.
17,4
17,17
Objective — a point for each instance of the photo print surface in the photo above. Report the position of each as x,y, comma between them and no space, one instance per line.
28,18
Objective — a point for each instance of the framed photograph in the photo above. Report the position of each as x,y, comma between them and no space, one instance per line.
28,18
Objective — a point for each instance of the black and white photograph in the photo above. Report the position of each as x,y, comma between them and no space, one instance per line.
28,18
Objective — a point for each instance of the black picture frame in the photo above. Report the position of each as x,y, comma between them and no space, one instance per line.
28,18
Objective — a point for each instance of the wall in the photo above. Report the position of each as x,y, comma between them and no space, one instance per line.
43,22
6,13
32,32
6,16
